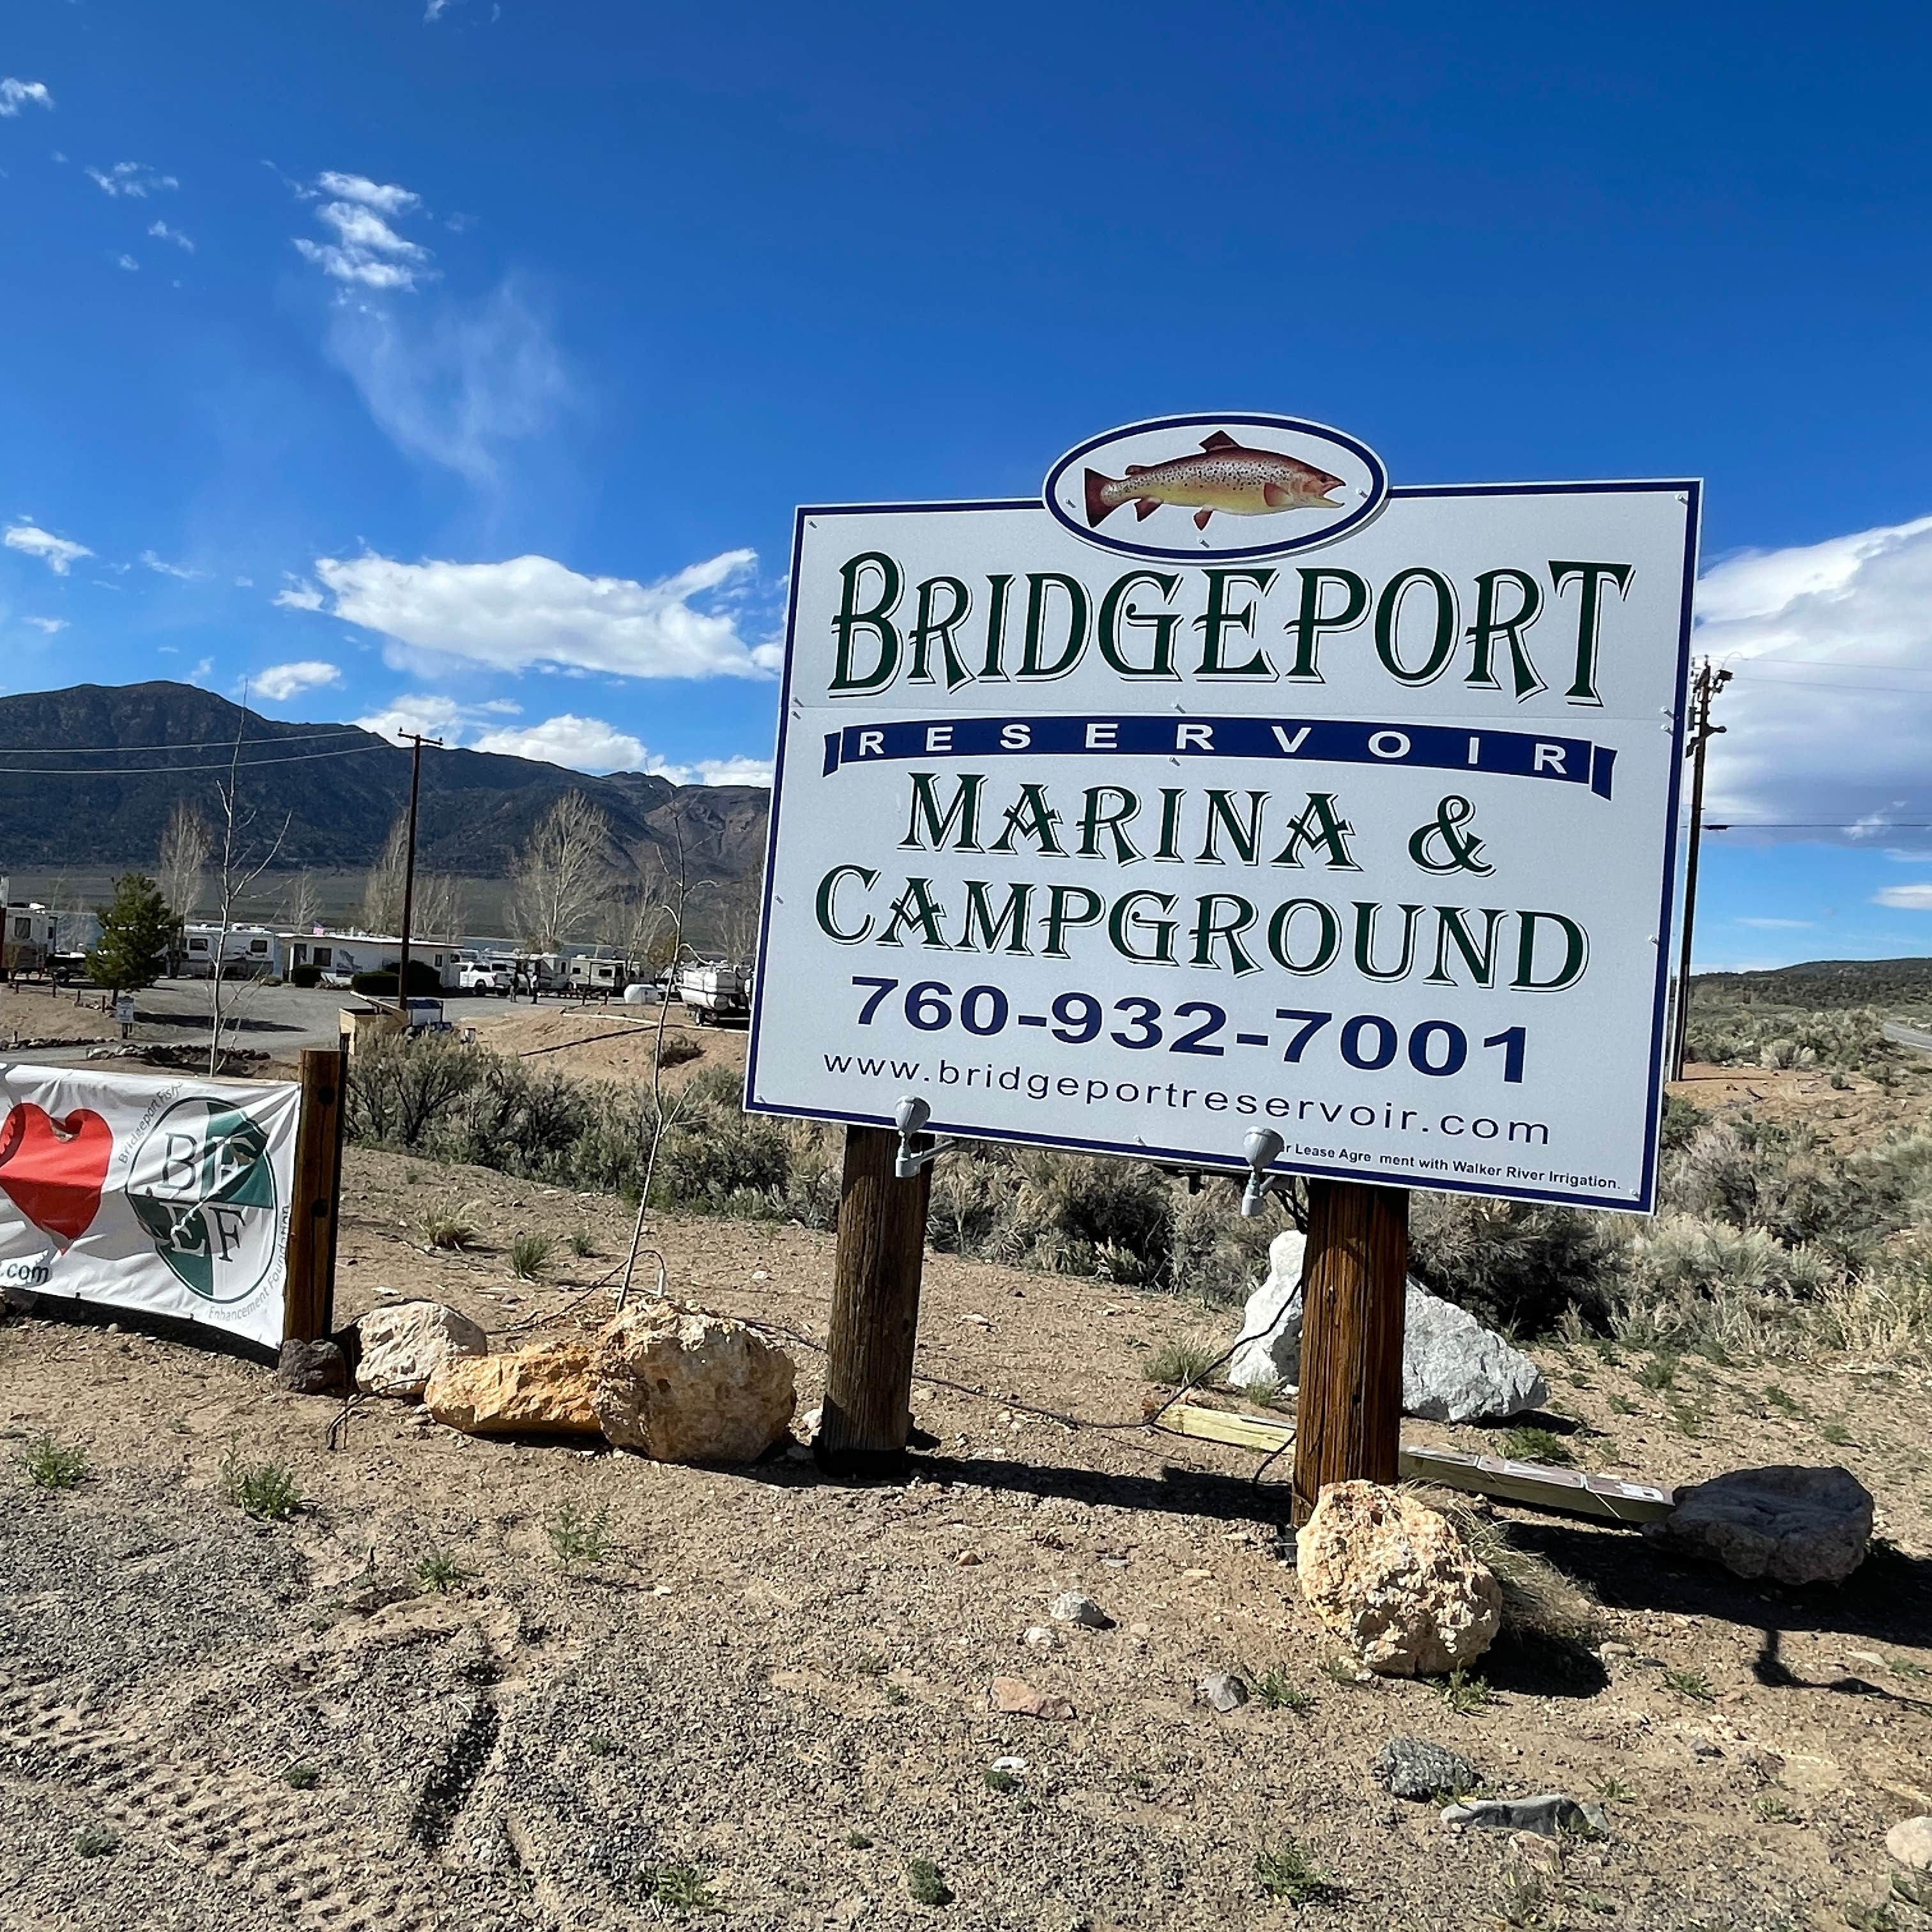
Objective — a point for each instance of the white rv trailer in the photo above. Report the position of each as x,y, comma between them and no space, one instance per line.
246,952
341,955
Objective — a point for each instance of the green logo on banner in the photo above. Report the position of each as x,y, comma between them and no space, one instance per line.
204,1189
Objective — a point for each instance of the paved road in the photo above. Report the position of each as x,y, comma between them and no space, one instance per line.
1900,1034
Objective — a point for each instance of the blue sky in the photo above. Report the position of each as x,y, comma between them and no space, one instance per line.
461,362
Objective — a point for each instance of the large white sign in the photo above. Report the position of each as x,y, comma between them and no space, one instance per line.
169,1196
1227,786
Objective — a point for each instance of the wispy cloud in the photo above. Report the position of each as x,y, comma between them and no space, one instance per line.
58,553
1904,899
296,596
128,262
50,624
532,611
15,94
161,566
457,386
133,179
281,682
1779,924
385,197
161,232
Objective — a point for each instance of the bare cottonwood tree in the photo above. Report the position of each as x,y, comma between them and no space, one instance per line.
561,874
442,908
382,889
185,844
301,904
244,855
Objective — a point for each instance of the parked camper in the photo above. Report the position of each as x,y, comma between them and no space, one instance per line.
715,992
26,938
246,952
589,974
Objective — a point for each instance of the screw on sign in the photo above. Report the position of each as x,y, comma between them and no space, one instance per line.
1227,789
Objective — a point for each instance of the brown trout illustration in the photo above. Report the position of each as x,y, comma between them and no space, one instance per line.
1226,475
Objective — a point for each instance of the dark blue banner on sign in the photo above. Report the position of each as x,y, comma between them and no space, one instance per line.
1334,741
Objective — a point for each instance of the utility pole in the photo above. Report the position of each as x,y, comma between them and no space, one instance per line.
410,870
1708,684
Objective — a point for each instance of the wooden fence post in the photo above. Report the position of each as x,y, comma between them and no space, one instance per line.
881,1251
309,1302
1348,1420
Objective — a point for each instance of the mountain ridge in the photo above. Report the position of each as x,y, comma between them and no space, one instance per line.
90,774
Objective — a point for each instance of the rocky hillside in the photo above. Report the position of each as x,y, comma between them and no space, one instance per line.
89,775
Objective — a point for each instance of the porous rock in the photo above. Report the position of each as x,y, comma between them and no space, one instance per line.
310,1368
1397,1580
1414,1767
1015,1697
403,1346
544,1390
1789,1523
683,1386
1454,1369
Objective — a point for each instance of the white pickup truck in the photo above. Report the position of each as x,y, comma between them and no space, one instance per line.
483,975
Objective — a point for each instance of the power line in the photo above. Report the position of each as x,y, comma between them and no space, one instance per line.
186,744
176,771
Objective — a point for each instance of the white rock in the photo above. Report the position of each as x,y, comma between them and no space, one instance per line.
404,1346
1909,1841
1039,1638
1454,1369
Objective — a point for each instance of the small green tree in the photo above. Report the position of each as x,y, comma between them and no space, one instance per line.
136,931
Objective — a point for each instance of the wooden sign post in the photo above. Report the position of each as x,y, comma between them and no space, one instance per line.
1349,1415
313,1213
881,1251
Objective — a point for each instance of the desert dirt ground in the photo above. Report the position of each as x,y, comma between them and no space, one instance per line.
753,1695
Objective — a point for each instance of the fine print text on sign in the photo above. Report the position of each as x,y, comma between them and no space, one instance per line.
1227,787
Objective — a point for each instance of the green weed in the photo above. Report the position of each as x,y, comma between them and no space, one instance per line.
529,1256
927,1883
439,1572
1691,1684
1463,1693
575,1537
1182,1363
1538,1445
302,1777
679,1889
52,1466
267,1491
1284,1872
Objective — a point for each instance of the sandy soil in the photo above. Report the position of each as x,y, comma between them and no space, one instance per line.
781,1682
602,1042
1849,1111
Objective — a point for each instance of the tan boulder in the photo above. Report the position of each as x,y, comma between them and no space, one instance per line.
1398,1580
684,1386
544,1390
403,1346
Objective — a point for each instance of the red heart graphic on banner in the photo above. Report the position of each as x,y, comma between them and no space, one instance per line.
54,1169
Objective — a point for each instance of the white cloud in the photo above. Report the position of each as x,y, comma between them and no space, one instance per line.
135,178
1904,899
280,681
297,596
531,611
456,386
161,232
58,553
367,253
127,262
50,624
738,771
1828,718
418,712
584,744
15,94
203,666
385,197
1780,925
161,565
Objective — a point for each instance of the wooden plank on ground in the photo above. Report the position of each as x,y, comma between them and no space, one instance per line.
1568,1492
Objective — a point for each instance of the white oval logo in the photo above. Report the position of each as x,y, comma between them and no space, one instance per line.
1200,488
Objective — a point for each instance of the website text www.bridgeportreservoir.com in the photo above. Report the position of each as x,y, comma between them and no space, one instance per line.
1306,1116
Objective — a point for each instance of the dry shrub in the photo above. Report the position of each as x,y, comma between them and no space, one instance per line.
1539,1601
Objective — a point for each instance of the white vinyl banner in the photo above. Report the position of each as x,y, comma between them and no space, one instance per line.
1225,787
169,1196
